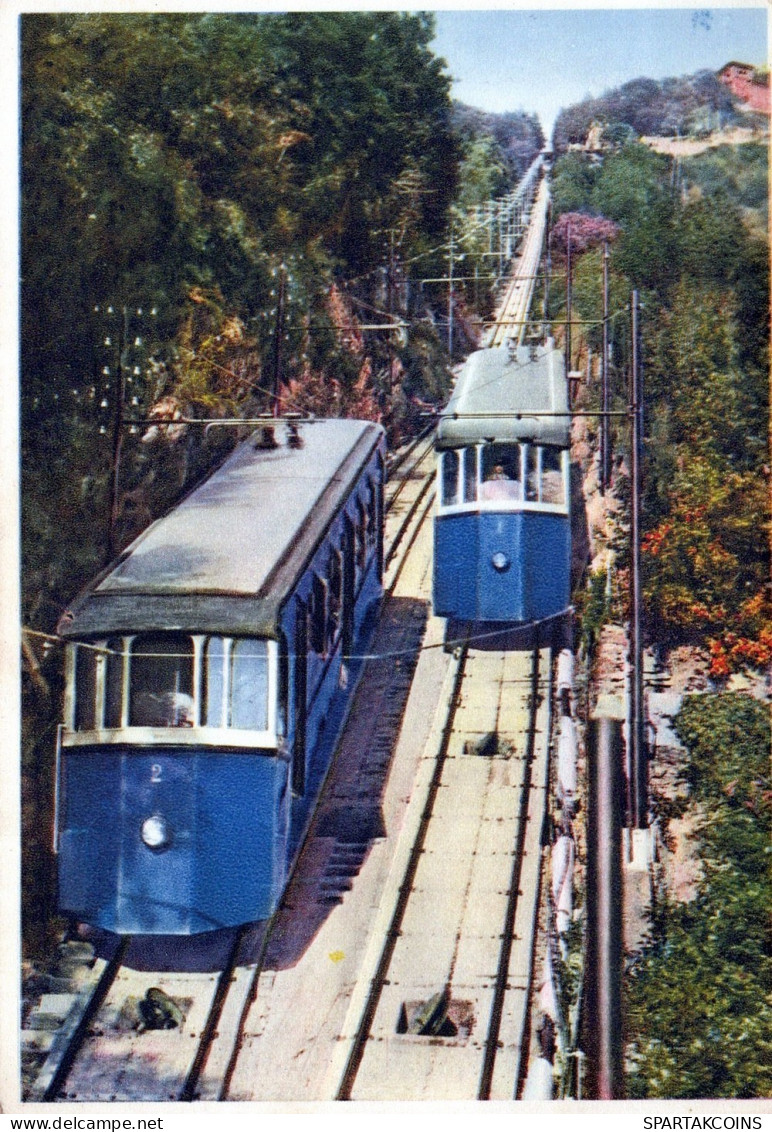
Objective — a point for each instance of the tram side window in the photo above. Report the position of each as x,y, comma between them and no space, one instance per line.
85,687
470,475
361,536
449,477
335,593
553,487
115,659
372,515
249,685
501,473
161,693
318,615
282,707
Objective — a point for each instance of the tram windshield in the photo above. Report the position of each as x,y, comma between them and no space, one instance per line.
501,472
504,473
171,680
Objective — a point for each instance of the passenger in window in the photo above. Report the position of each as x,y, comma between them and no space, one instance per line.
498,485
163,709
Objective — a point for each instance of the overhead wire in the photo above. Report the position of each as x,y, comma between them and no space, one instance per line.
450,645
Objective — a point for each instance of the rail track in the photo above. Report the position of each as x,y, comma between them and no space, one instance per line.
515,304
442,1013
90,1042
376,978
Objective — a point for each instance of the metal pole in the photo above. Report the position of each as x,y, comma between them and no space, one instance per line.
569,298
638,751
605,452
120,396
277,359
603,1013
547,265
450,295
501,240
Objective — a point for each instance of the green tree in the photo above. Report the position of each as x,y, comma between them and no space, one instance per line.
699,994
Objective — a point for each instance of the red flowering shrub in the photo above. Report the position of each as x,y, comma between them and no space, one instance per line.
586,231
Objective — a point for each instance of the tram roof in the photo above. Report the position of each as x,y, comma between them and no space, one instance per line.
226,558
500,394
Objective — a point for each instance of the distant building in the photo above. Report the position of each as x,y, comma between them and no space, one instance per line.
747,83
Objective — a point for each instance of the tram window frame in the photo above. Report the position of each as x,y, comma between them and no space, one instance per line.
210,717
470,474
115,673
556,457
317,620
371,508
243,678
161,646
85,680
334,594
106,699
532,478
282,696
509,455
451,462
360,538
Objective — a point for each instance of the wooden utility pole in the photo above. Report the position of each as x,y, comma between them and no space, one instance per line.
605,450
638,817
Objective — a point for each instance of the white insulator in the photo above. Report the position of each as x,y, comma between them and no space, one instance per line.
565,670
567,758
562,862
548,999
539,1083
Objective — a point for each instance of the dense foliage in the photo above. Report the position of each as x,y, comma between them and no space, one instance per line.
699,1023
212,206
703,277
693,104
497,150
192,188
220,213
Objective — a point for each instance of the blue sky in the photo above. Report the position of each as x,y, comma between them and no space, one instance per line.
541,59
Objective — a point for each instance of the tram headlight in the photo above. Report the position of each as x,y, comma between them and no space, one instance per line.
155,832
500,562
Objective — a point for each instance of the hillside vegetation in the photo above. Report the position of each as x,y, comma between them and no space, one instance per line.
702,273
690,235
694,104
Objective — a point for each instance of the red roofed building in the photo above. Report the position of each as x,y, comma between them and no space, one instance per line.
747,83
